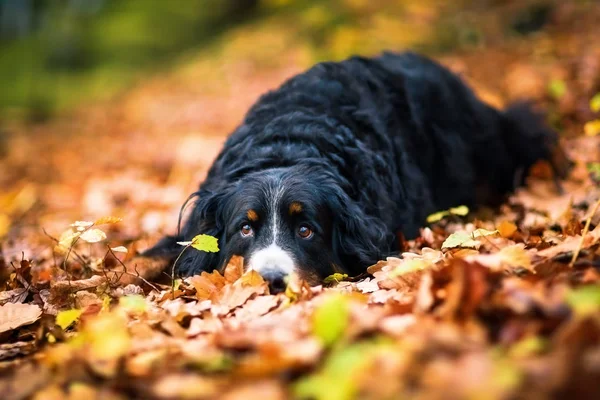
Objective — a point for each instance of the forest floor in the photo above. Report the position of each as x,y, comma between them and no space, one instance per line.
499,303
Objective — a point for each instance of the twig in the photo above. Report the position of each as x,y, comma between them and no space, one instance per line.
586,228
125,272
173,271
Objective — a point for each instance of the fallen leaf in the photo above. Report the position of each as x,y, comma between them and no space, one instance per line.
335,278
93,235
66,318
585,300
14,315
506,229
331,318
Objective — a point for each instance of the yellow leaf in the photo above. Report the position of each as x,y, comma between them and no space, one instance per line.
107,336
108,220
65,318
93,235
595,103
66,240
592,128
460,210
409,266
205,243
435,217
516,256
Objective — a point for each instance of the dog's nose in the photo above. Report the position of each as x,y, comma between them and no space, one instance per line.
275,279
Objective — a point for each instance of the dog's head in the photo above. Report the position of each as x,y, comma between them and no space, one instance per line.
284,220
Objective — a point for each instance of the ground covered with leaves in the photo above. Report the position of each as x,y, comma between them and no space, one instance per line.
501,303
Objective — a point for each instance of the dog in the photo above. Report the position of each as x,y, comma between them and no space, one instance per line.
325,172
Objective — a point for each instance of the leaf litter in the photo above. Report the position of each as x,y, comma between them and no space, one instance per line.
480,305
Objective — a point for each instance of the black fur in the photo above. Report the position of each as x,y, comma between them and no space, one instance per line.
369,147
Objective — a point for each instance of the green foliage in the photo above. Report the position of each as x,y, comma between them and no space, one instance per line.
557,88
595,103
337,378
207,243
585,300
460,211
465,239
334,278
331,318
134,303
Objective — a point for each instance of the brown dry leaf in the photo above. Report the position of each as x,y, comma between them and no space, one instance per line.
207,285
568,245
59,291
257,307
236,294
17,349
264,390
514,256
14,315
367,285
465,291
14,296
506,229
185,386
234,269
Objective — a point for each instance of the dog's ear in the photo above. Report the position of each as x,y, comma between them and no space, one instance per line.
358,239
207,217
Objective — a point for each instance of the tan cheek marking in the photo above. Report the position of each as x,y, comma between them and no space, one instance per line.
295,208
252,215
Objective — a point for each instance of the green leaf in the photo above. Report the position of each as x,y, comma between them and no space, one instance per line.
64,319
557,88
334,278
484,232
435,217
460,239
595,103
460,210
465,239
585,300
207,243
594,171
134,303
337,378
331,318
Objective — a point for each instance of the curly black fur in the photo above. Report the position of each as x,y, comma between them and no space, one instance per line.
369,147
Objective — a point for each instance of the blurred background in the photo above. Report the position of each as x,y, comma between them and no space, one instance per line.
118,107
55,54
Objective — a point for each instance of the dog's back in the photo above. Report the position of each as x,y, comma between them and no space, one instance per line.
417,139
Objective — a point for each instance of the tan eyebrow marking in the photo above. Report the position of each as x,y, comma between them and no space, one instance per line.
295,208
252,215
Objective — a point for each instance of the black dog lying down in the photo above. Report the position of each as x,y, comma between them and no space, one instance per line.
325,171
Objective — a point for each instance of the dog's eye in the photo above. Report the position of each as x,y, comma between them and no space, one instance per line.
305,232
246,230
